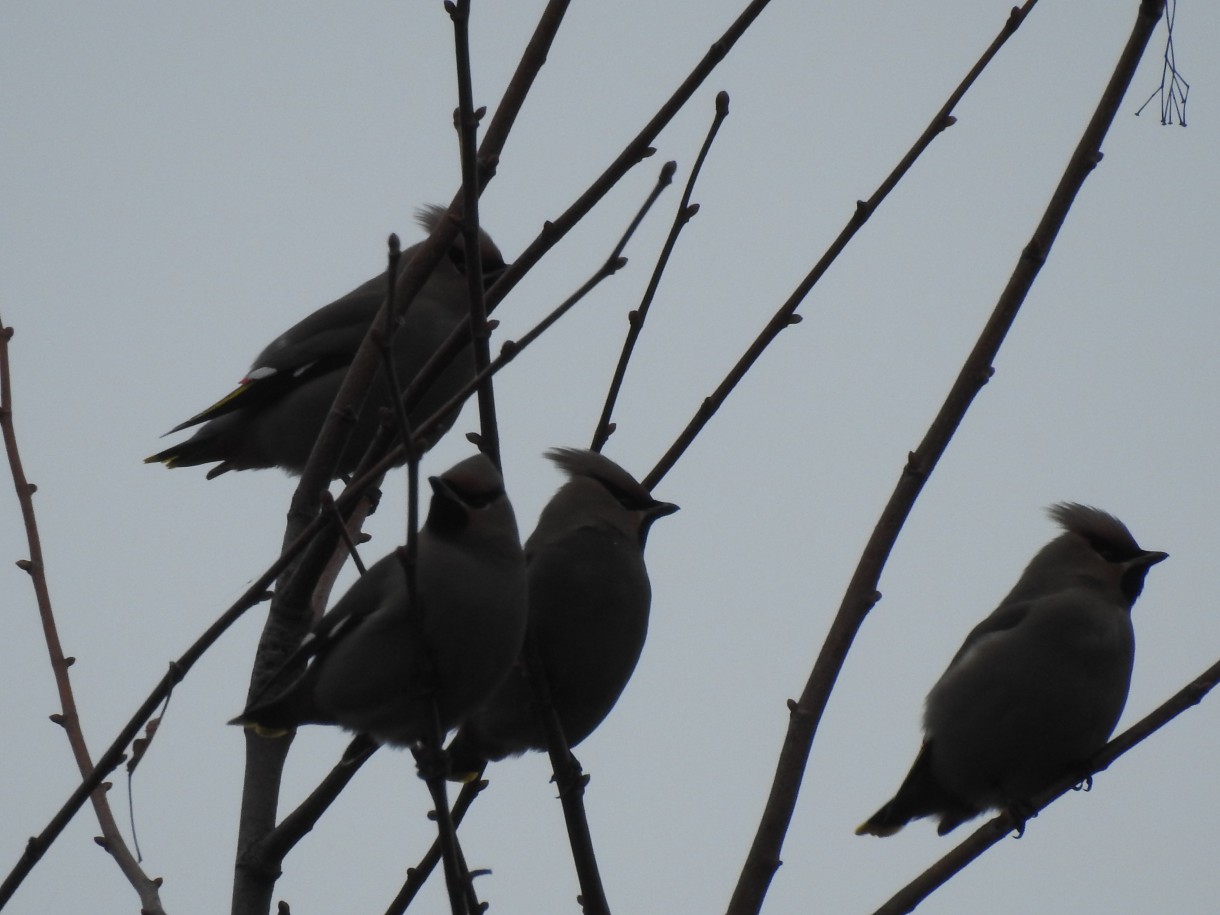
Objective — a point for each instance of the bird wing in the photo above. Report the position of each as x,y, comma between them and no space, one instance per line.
322,342
1002,619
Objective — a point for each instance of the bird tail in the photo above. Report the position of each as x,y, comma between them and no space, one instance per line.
920,795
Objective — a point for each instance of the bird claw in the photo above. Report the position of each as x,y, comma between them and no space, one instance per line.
1085,784
1020,813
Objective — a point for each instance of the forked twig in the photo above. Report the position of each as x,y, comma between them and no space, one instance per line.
417,876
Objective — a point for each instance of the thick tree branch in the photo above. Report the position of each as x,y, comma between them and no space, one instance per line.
862,594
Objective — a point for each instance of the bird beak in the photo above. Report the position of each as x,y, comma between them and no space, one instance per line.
660,510
1147,560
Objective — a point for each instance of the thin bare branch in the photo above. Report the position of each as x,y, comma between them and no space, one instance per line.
114,755
786,316
68,717
417,876
466,120
638,149
269,853
862,594
635,319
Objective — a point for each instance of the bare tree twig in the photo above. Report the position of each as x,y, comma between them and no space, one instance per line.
786,316
638,149
991,832
686,212
269,853
862,594
417,876
113,756
68,717
466,120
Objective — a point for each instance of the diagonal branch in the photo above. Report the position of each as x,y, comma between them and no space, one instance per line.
862,594
511,349
686,212
638,149
987,835
786,316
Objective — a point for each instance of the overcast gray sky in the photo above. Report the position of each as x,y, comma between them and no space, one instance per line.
183,181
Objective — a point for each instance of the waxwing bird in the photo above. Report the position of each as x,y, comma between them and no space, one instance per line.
588,611
275,414
380,659
1038,686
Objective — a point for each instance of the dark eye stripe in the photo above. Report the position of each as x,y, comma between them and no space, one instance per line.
480,499
1111,551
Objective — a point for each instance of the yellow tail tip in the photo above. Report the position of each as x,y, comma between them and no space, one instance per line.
259,729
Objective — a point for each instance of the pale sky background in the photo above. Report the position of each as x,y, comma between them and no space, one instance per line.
183,181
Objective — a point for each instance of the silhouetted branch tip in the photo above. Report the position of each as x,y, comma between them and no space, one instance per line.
667,172
722,103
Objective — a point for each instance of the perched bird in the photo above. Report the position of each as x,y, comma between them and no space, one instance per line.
273,417
588,612
380,659
1038,686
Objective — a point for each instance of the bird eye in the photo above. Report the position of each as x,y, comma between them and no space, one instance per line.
481,499
1111,551
632,501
